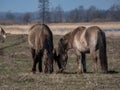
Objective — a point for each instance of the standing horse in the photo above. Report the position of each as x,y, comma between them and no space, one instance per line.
40,39
82,41
2,34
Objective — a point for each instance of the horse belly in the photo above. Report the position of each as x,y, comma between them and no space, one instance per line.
83,48
81,45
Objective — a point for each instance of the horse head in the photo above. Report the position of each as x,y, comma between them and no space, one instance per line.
60,55
2,34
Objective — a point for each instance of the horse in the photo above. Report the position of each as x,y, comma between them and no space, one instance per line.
2,34
83,40
40,39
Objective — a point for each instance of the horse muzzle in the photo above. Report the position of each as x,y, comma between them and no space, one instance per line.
4,36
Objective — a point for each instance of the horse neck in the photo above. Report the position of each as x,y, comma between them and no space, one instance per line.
73,34
69,41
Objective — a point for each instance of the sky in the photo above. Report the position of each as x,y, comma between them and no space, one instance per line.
32,5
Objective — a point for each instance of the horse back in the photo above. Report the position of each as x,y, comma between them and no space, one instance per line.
93,35
40,37
87,39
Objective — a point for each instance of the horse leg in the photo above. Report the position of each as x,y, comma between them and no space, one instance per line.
33,53
40,61
83,61
79,65
45,57
34,60
49,62
34,64
94,56
40,66
45,66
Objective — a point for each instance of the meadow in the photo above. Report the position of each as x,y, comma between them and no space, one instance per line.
16,63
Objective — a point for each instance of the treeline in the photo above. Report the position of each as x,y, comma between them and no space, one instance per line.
86,15
58,15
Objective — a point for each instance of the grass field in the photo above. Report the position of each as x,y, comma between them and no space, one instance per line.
16,63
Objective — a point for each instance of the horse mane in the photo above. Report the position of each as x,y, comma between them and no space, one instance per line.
81,28
72,33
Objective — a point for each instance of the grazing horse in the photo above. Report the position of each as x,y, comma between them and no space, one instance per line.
83,40
40,39
2,34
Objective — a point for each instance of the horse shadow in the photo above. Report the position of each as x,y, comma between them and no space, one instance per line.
109,72
112,72
67,72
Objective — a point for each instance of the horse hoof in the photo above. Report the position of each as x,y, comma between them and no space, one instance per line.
79,72
48,72
34,72
105,71
60,71
85,71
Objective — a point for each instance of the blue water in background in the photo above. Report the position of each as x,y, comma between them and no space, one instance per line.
112,30
105,30
62,32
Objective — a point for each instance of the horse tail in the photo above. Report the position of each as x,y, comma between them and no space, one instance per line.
102,52
56,58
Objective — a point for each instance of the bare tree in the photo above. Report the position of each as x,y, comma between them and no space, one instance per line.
26,17
82,14
44,10
114,13
9,16
74,15
58,14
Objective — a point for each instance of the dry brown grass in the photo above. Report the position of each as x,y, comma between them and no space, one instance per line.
16,63
62,28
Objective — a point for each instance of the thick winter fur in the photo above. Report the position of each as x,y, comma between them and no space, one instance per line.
85,40
40,39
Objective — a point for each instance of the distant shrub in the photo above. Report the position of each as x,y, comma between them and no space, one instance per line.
8,22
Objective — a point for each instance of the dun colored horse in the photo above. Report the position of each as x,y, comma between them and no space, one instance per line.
91,40
2,34
40,39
